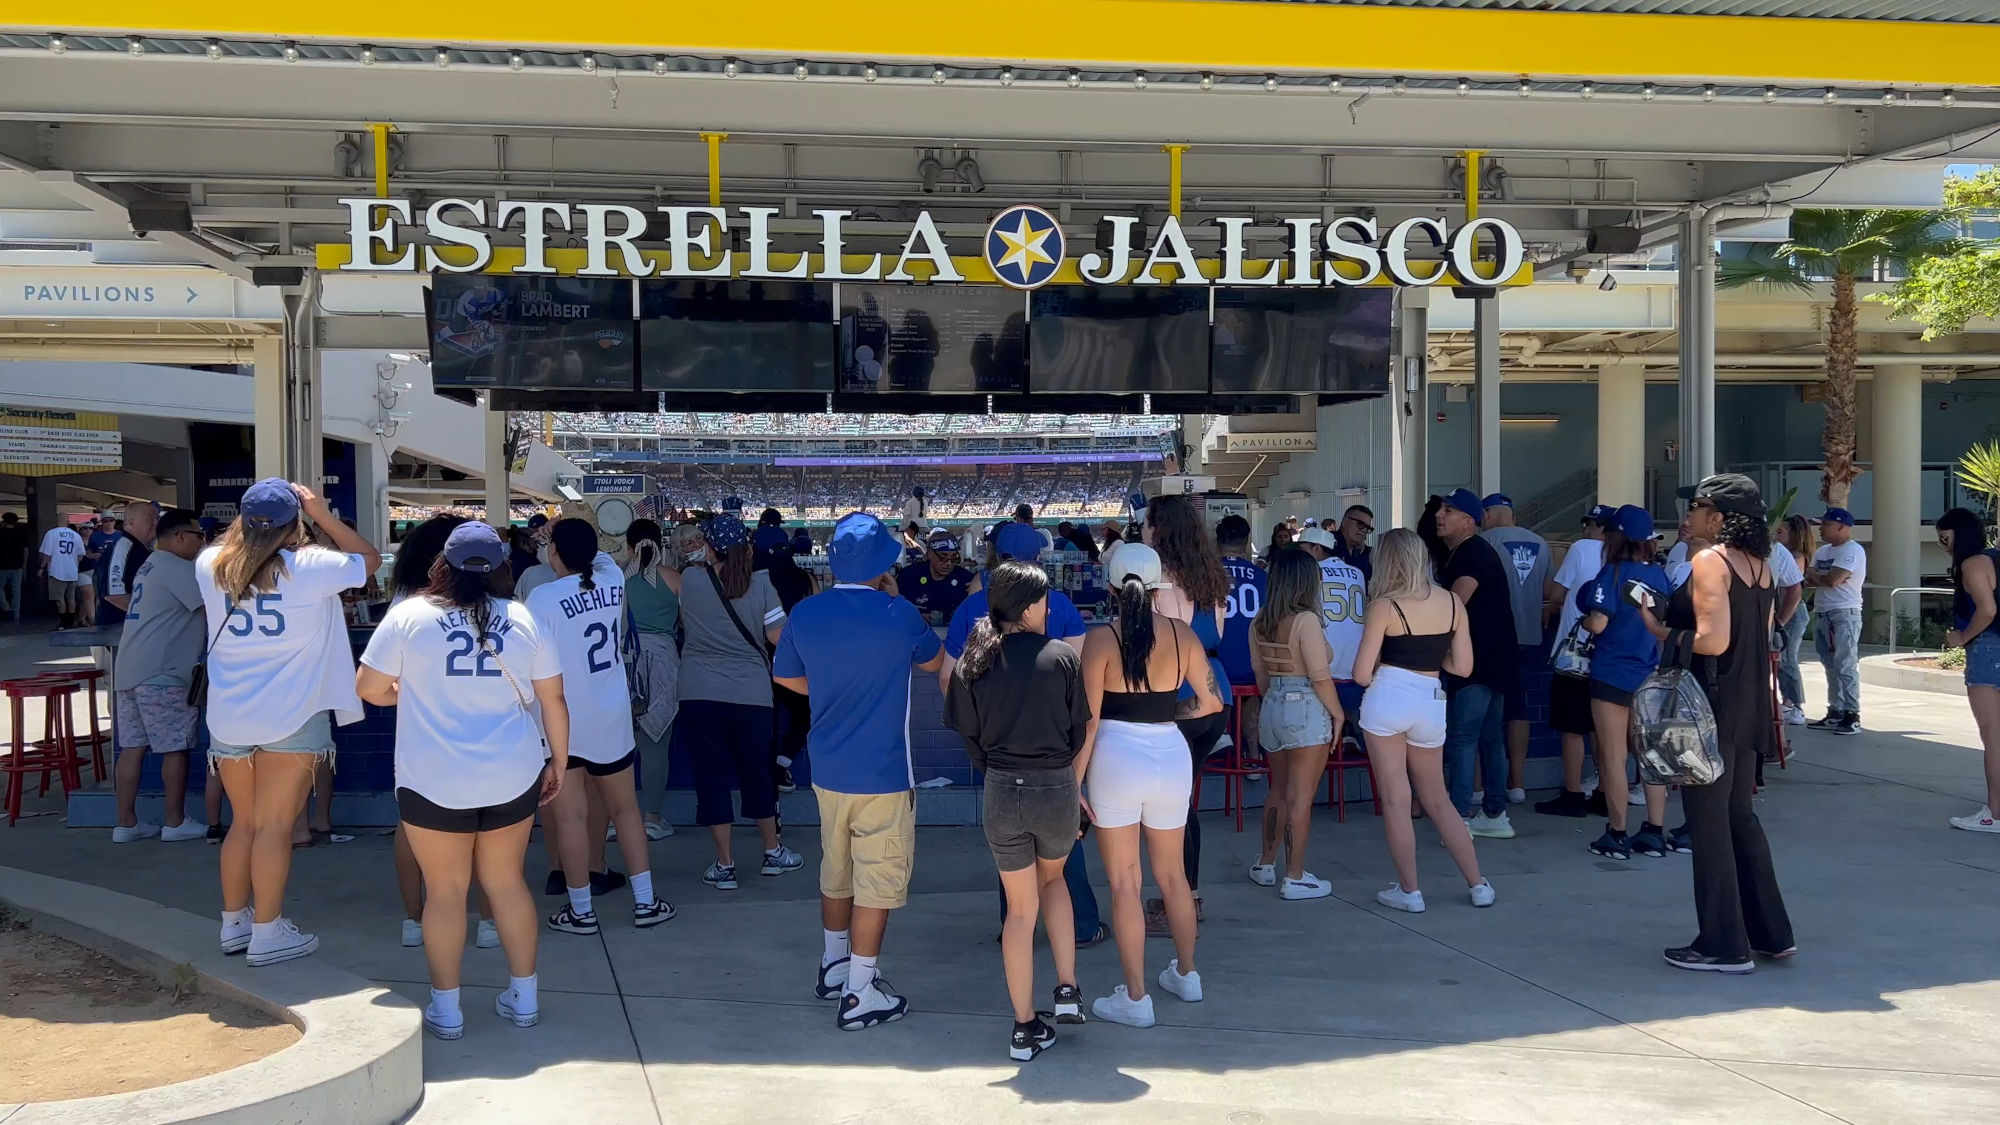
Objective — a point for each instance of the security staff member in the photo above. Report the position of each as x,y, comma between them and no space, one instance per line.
938,583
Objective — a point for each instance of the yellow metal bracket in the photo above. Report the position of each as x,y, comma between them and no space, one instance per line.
714,141
1472,156
380,130
1174,177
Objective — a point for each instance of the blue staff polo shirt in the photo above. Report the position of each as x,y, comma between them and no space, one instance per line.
854,645
1065,622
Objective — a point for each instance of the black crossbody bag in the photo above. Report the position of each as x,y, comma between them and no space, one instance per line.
748,637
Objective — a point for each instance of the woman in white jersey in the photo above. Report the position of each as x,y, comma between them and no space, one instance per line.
463,667
1414,629
582,615
278,662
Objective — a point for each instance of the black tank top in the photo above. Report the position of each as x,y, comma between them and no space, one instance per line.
1143,706
1738,679
1418,652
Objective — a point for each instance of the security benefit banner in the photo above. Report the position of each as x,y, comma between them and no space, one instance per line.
47,443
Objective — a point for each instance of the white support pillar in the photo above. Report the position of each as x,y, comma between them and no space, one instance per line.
1621,434
1696,295
1486,389
1898,429
1409,402
269,402
497,510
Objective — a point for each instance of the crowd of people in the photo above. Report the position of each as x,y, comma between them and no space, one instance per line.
534,676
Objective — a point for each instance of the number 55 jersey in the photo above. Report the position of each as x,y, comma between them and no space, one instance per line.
280,656
586,628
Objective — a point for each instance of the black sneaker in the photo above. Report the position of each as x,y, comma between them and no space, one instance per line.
652,913
1612,845
1031,1039
1069,1004
604,882
1776,954
1650,840
782,776
568,921
216,832
1679,840
1850,723
1687,958
1594,805
554,887
872,1005
1829,721
1571,803
832,980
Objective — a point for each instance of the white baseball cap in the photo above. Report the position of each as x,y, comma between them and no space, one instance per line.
1140,561
1320,536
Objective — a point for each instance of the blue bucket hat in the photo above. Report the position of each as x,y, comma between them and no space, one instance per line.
1465,500
269,503
724,531
1634,522
862,549
474,548
1018,541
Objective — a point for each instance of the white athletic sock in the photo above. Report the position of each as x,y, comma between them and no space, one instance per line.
579,900
526,992
836,946
260,931
642,887
444,1001
860,973
236,917
784,761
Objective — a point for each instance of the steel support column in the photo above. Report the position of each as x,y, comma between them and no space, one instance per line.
1409,401
1486,390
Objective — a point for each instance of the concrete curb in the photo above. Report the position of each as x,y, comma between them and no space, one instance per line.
1884,671
359,1060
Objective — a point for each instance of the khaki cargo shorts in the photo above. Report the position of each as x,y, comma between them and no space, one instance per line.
868,844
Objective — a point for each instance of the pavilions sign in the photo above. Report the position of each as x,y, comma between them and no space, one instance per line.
1023,247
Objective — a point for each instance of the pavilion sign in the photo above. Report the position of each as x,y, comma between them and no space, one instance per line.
1023,248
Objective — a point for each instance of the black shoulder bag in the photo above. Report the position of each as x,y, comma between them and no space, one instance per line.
749,638
197,692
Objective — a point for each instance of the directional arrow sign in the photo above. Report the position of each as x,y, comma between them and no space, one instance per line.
191,295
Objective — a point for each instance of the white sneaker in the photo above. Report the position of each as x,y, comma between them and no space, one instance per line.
1491,827
188,829
1308,885
873,1005
782,859
139,831
1795,716
286,943
1119,1007
1482,895
1982,821
1517,796
1396,898
658,830
413,933
1264,874
508,1006
444,1025
487,935
1187,985
1589,785
236,931
1635,794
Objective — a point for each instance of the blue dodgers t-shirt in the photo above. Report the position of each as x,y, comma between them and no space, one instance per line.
1247,584
1065,622
854,645
1626,653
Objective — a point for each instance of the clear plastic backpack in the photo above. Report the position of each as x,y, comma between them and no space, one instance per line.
1673,726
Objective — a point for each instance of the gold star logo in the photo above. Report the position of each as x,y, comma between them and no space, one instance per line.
1024,246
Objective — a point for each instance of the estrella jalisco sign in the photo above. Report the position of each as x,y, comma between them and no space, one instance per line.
1023,247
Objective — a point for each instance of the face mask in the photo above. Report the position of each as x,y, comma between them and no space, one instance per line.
542,555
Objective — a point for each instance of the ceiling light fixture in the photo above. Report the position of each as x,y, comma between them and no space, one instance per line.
869,73
1139,80
442,58
214,49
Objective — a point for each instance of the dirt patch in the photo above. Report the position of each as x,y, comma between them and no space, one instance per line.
76,1024
1929,663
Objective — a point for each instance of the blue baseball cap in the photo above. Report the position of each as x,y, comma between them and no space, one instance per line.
1634,522
269,503
1465,500
942,539
862,548
1838,515
1499,500
1600,514
474,547
1018,541
724,531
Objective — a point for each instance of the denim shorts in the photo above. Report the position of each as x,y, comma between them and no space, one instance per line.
315,738
1293,717
1982,660
1030,815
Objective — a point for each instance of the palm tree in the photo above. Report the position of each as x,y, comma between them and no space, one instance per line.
1842,245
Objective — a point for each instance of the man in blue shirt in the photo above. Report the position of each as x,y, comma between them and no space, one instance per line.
1247,583
849,651
1012,541
936,583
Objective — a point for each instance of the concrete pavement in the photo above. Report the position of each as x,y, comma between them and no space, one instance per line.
1553,1006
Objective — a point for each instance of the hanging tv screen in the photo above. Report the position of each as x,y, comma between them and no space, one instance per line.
1125,339
1301,341
735,335
554,332
937,339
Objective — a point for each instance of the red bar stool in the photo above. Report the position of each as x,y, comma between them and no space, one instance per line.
99,738
1778,716
55,753
1245,759
1339,760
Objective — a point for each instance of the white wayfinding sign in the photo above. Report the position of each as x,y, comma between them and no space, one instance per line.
109,292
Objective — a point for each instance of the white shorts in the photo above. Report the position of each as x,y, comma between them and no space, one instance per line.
1140,773
1404,702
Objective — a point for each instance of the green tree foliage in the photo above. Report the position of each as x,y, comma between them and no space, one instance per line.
1946,290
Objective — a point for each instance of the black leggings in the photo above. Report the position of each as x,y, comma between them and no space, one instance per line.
1202,734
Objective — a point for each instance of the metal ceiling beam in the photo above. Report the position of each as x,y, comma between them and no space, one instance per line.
109,204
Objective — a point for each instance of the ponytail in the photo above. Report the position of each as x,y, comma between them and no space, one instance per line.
1016,588
574,541
980,649
1135,639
